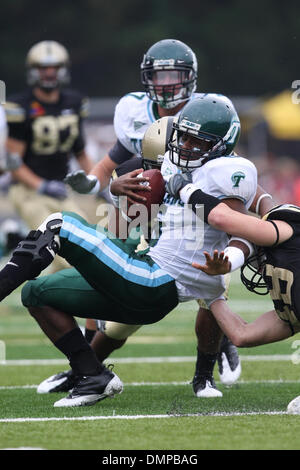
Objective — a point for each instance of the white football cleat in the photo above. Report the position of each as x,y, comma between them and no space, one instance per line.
205,387
293,407
61,382
91,389
229,363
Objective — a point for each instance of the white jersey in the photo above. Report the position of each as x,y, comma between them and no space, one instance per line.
185,236
133,115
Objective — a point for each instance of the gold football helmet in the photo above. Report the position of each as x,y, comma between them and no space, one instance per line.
47,65
155,142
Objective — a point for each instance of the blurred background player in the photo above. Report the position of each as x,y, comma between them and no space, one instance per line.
44,132
169,75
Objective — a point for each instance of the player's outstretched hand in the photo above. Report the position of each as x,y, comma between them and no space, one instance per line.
218,264
81,182
128,184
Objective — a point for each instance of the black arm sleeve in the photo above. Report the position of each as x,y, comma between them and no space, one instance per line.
209,202
119,154
133,164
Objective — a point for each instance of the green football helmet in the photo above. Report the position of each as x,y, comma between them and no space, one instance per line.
208,127
169,72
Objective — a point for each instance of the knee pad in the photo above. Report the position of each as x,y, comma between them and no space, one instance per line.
118,331
45,237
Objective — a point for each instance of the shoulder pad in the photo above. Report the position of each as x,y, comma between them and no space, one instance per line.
14,112
285,212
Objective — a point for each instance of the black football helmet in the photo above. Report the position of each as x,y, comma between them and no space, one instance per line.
252,273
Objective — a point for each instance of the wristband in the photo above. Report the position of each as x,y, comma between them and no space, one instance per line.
259,201
186,192
235,256
96,188
246,242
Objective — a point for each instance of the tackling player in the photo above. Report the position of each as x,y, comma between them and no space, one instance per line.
169,75
131,288
272,269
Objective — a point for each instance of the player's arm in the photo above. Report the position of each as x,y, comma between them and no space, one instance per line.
21,172
267,328
222,217
84,161
100,175
262,203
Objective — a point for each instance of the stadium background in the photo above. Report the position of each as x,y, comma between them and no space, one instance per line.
246,50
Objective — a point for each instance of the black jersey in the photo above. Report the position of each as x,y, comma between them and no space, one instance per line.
282,271
52,131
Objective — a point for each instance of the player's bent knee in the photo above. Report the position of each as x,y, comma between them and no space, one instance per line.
29,294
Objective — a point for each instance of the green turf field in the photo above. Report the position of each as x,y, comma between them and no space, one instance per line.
157,409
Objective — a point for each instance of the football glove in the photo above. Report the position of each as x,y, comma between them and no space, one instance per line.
177,182
82,183
53,188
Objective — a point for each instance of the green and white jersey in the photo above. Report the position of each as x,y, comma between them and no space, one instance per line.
185,236
133,115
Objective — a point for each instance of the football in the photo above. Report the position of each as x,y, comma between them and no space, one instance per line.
294,406
154,197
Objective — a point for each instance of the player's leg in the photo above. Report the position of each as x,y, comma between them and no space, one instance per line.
37,208
111,336
32,255
66,289
209,337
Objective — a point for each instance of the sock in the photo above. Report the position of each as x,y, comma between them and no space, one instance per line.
89,334
103,345
205,363
82,358
21,268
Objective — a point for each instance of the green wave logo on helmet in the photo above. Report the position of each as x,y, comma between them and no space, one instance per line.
169,72
208,127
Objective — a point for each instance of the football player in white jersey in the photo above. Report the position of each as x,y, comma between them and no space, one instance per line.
169,74
138,289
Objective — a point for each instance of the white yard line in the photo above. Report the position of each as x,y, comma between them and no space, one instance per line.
135,417
139,360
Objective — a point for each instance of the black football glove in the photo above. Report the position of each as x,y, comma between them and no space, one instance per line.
177,182
81,182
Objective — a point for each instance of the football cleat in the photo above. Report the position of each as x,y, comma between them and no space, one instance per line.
229,363
293,407
91,389
61,382
205,387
